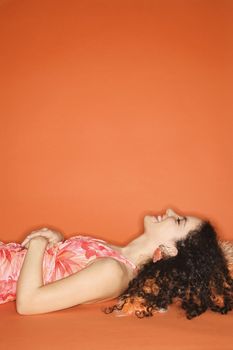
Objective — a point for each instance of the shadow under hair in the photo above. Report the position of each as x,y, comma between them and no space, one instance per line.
197,279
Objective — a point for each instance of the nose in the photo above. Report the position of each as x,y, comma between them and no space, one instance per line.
170,212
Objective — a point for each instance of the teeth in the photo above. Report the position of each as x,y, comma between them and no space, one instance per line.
158,218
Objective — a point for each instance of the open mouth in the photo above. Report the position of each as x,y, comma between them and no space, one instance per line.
158,218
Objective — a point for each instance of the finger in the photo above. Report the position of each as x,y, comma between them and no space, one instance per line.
25,242
44,234
35,234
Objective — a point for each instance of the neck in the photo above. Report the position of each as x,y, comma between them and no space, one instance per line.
138,250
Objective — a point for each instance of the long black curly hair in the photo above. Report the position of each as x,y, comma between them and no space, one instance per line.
197,279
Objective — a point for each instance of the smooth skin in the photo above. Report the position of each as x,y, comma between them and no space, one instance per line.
104,278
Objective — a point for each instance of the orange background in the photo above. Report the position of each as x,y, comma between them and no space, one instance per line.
114,109
111,109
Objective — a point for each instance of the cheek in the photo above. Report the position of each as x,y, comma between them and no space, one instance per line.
180,234
171,231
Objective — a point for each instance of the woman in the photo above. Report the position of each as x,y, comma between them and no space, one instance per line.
190,267
176,258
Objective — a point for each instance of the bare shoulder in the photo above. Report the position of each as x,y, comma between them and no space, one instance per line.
103,279
114,272
114,266
109,264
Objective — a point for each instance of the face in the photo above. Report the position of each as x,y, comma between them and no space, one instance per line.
170,227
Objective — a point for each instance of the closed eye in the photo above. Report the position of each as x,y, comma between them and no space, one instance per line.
178,221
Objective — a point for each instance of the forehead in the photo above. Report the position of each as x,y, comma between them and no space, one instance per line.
192,222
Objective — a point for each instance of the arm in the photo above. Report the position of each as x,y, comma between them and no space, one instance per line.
31,278
102,279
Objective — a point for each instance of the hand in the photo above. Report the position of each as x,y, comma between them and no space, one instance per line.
52,236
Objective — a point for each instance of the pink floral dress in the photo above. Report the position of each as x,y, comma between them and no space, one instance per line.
61,260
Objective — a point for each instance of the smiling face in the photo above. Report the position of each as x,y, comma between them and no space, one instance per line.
170,227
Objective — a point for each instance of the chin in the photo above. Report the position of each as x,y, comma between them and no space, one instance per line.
147,223
146,218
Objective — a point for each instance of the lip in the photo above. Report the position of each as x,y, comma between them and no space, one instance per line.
156,218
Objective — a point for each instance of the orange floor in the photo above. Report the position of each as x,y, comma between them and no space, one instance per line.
85,327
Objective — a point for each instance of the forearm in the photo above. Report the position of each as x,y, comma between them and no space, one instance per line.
31,273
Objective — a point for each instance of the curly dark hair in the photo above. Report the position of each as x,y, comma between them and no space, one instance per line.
197,279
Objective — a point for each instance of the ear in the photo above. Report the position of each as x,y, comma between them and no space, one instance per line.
164,252
157,255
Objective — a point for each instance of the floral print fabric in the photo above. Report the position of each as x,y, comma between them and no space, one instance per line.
61,260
